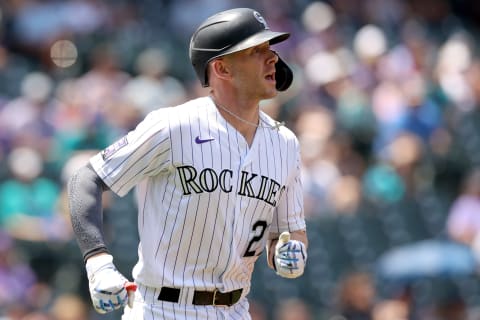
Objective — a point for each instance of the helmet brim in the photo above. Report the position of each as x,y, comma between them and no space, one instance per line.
264,36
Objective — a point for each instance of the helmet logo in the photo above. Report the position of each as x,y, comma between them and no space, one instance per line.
260,19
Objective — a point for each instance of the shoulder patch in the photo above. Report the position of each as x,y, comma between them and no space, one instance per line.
114,147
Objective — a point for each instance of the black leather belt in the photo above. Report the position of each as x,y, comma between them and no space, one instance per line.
203,298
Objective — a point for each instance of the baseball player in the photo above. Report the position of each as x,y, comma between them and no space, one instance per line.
216,179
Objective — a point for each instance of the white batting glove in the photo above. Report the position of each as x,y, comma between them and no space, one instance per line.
290,257
109,289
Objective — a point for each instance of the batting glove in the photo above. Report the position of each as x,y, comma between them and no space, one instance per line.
290,257
109,289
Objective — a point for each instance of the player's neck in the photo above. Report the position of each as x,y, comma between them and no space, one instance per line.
242,106
244,118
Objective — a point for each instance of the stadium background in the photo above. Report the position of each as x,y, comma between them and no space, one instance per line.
385,103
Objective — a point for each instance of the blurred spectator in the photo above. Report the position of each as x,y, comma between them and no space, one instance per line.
104,81
326,74
383,185
257,310
37,24
391,309
370,44
185,16
355,117
153,87
406,154
356,296
450,306
314,128
454,60
318,19
389,107
292,309
16,276
466,130
27,200
401,170
446,303
75,124
25,119
423,115
13,68
463,222
345,195
69,307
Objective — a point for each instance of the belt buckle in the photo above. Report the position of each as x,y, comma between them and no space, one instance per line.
215,297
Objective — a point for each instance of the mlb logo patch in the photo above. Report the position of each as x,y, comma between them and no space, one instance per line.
110,150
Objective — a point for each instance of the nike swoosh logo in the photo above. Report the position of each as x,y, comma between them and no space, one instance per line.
199,141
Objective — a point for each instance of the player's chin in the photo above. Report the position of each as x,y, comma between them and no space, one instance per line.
268,95
270,90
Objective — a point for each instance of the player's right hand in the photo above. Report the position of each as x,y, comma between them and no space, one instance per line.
108,287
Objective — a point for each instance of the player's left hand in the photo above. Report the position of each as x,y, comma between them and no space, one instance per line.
290,257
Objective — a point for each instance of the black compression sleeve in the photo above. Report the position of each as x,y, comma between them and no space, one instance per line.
85,190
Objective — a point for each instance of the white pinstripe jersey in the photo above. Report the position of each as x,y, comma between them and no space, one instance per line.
206,200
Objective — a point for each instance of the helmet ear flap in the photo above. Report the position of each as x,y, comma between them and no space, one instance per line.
283,75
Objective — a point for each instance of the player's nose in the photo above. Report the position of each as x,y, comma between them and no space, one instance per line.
272,57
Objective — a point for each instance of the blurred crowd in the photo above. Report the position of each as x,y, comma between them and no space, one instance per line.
385,103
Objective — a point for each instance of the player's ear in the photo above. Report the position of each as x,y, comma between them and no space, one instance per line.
220,68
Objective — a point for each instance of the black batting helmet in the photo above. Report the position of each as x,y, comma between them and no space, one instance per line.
231,31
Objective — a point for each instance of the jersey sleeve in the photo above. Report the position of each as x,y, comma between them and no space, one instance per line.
289,213
143,152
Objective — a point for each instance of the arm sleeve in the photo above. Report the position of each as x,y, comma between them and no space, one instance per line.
85,190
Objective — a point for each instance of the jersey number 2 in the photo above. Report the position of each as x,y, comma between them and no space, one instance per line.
262,225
